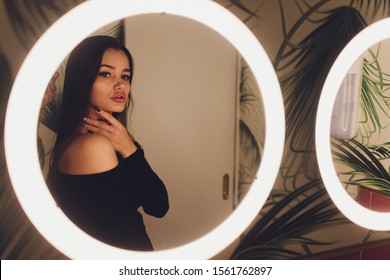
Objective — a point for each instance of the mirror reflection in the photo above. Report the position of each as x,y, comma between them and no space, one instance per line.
196,113
360,129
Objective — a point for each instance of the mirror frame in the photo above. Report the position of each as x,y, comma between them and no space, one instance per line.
357,213
21,150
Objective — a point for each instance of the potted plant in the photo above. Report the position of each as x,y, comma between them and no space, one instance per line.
366,171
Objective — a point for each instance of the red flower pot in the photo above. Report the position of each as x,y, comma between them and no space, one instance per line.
373,199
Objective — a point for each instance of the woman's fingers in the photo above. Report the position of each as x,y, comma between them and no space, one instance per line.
111,128
98,126
90,129
106,116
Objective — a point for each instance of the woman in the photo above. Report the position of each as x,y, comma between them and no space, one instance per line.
98,174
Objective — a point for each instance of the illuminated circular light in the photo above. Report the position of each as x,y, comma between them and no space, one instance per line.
357,213
25,99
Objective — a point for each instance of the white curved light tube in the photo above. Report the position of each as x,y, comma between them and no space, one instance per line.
24,106
357,213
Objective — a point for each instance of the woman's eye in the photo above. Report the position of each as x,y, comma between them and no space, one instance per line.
104,74
126,77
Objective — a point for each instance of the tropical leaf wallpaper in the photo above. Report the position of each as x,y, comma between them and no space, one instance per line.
297,219
302,38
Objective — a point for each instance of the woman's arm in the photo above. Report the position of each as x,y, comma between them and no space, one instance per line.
151,189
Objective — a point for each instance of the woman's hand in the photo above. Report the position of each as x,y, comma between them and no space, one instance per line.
50,90
111,128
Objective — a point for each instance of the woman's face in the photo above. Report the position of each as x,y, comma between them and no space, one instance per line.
111,87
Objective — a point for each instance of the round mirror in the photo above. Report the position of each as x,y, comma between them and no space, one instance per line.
38,203
198,115
353,91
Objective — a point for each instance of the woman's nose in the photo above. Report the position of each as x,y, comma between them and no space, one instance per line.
119,84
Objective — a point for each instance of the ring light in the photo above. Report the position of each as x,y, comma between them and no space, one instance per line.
349,207
27,93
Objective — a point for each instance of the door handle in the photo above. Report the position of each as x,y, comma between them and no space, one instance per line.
225,186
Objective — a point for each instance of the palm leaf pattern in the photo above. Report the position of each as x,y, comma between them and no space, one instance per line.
252,127
313,58
19,238
30,19
296,211
288,219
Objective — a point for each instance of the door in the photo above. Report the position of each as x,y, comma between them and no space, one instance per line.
185,116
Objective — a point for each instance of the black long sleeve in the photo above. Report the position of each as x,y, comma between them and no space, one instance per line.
150,188
105,204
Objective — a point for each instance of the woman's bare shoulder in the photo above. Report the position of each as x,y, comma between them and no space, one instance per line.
88,154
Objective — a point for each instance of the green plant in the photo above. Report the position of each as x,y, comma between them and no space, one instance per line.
375,97
364,163
380,151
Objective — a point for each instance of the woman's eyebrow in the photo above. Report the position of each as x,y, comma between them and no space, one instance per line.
108,66
113,67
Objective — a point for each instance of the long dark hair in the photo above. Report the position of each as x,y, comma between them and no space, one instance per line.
81,71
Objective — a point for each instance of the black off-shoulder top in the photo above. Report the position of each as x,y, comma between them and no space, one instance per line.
105,205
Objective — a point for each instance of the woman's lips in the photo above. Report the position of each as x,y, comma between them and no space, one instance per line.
119,99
